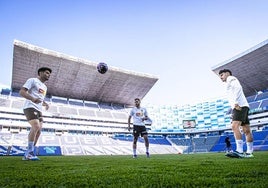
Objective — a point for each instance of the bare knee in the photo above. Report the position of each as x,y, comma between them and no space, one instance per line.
35,125
236,125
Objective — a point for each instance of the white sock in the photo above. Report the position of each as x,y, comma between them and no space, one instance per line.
147,149
249,147
30,146
134,152
239,146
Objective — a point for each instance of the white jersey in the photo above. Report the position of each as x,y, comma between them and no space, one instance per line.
36,89
138,114
235,92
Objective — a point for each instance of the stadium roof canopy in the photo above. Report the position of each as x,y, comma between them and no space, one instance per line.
250,67
77,78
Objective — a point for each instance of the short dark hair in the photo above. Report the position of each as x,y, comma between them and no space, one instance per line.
137,99
42,69
225,70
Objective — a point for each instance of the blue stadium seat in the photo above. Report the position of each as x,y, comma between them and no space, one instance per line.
261,96
76,103
264,103
260,135
254,105
91,105
15,94
251,98
5,91
61,101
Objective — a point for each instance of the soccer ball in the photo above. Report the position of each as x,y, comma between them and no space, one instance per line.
102,67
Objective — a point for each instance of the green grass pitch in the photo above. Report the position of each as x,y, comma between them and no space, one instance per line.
187,170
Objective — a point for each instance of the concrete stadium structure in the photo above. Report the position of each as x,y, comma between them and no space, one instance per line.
77,78
251,67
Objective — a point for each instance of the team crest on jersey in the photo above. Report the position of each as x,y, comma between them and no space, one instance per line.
41,91
139,114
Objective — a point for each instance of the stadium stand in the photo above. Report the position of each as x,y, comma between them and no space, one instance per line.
72,121
254,104
260,141
261,96
251,98
264,103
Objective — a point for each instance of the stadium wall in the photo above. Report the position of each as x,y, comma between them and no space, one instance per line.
74,120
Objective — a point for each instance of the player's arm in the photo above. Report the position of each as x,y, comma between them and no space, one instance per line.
129,119
145,116
24,93
45,104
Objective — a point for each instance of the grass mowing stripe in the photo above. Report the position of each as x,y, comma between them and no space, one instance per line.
189,170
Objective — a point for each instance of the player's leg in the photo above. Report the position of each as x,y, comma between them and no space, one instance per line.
146,142
249,140
238,136
33,119
238,153
240,118
38,133
144,134
135,140
35,127
247,131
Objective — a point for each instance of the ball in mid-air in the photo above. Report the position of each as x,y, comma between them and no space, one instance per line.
102,67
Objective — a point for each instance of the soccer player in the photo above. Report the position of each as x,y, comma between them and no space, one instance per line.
139,115
240,111
34,91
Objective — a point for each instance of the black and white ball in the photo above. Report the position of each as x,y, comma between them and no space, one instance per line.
102,67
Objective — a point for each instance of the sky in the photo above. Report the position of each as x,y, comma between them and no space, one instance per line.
179,41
